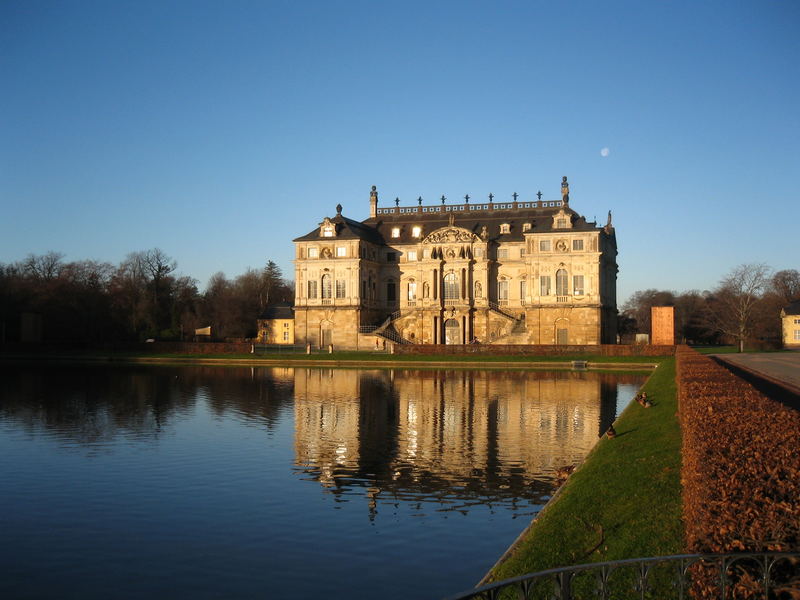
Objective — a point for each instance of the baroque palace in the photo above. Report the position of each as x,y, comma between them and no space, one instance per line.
516,272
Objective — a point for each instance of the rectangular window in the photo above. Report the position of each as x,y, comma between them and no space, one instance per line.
391,292
797,321
285,336
340,288
544,245
312,289
797,335
523,290
327,292
577,244
313,252
341,251
544,285
502,253
577,284
411,255
391,257
412,290
502,290
522,252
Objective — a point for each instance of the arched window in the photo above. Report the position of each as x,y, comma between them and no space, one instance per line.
562,283
451,291
326,286
391,291
412,290
502,290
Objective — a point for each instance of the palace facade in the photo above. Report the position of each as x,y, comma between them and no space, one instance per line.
517,272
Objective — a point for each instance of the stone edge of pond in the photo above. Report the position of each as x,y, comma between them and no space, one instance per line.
321,363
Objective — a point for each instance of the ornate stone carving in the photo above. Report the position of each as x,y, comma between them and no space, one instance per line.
562,246
450,235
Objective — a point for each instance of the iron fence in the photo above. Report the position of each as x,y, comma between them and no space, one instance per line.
771,575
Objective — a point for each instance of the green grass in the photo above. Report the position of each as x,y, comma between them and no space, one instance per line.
624,502
373,357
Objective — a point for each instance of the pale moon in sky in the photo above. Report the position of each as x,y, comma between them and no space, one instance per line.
604,152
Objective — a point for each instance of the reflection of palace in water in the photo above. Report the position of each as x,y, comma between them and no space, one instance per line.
469,432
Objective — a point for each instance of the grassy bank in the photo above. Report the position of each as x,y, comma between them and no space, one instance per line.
352,357
624,502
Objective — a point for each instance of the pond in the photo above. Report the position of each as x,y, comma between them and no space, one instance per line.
223,482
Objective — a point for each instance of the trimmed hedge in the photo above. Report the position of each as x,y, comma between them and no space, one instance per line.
644,350
741,468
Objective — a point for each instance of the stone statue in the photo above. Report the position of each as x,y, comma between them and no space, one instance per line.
478,290
452,219
338,209
373,195
484,233
564,189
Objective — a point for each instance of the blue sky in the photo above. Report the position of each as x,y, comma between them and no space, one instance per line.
219,131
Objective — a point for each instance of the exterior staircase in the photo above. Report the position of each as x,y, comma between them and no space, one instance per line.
519,331
386,329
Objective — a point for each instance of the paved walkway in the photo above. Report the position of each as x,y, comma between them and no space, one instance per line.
780,367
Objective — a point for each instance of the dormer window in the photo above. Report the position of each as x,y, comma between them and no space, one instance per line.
526,227
395,232
416,231
505,228
561,223
327,229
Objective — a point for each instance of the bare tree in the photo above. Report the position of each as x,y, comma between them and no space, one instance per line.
786,284
733,305
44,267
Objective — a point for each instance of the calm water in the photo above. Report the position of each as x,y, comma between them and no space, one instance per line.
203,482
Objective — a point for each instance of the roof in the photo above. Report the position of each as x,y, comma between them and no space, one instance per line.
793,308
346,229
473,217
280,310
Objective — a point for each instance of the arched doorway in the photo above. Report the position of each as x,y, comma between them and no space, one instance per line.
326,333
452,332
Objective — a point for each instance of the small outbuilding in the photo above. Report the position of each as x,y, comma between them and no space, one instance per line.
790,325
276,324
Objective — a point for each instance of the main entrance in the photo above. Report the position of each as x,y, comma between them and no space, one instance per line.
452,332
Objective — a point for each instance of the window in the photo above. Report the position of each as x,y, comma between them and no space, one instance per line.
285,336
341,251
363,289
395,232
562,283
327,232
577,244
544,285
502,289
326,286
544,246
416,231
797,335
313,252
391,291
526,227
478,252
523,290
502,253
312,289
450,287
340,288
561,223
505,228
411,255
412,290
391,257
522,252
797,321
577,284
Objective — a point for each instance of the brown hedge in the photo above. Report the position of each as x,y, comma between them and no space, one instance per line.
741,465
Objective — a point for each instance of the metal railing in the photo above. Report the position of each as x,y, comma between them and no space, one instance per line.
723,576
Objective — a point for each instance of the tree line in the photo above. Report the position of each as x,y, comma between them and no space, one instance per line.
143,297
743,308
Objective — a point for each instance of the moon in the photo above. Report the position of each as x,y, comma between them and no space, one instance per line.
604,152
